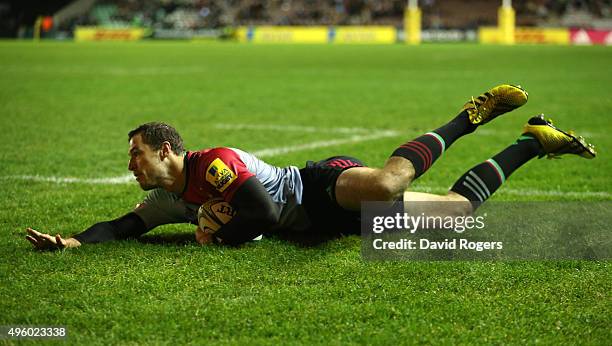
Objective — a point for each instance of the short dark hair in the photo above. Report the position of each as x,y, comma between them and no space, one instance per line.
155,133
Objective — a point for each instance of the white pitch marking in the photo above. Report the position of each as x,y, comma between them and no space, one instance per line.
522,192
128,179
295,128
124,179
491,132
555,193
322,144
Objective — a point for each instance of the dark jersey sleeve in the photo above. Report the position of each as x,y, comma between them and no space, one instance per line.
256,212
127,226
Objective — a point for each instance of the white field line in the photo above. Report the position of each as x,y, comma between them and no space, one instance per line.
517,133
126,179
555,193
322,144
129,179
523,192
357,136
362,130
296,128
112,71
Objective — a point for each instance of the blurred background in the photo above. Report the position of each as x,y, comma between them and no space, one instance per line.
584,21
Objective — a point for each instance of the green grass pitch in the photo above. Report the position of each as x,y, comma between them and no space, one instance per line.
66,108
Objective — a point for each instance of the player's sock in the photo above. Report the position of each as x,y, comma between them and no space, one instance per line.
423,151
480,182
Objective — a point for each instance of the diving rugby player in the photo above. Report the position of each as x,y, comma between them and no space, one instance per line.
323,196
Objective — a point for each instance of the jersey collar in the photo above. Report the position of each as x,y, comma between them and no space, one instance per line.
186,171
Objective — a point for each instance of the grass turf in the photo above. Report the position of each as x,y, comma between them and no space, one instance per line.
66,109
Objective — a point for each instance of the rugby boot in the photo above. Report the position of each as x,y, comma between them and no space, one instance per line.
497,101
556,142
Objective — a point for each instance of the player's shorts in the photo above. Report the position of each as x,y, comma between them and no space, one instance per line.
319,196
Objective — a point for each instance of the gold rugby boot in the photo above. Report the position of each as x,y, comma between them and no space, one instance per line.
556,142
497,101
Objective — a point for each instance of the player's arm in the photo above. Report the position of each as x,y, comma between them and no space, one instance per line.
256,212
129,225
124,227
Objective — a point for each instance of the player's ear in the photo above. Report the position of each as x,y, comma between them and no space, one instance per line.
166,149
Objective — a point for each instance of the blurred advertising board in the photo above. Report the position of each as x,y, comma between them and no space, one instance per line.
589,37
318,34
363,34
527,35
448,35
92,33
283,34
186,34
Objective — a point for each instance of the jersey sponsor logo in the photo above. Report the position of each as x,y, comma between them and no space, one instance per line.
219,175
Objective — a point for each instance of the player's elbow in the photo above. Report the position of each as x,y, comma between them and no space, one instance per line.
269,216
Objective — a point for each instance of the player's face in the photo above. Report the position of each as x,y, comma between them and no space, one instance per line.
145,163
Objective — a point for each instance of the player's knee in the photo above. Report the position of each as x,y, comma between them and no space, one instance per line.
400,169
388,189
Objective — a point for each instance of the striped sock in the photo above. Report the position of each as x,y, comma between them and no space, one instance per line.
426,149
480,182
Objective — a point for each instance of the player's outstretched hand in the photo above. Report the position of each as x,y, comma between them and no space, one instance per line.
43,241
203,238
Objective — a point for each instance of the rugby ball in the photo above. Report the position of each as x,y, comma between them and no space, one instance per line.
213,214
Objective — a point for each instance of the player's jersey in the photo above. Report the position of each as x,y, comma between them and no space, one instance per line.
219,172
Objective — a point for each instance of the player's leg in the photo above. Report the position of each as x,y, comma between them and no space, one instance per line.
373,184
413,158
423,151
540,138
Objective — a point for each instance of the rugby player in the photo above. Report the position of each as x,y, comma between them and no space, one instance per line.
322,196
